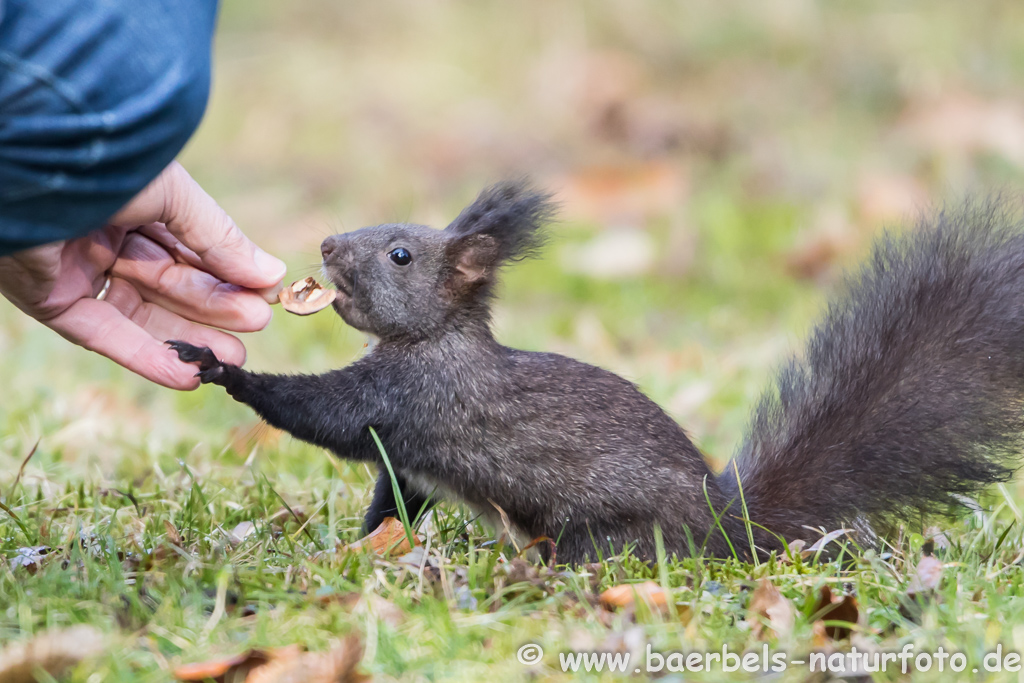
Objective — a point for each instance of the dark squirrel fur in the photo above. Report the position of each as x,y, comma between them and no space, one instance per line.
910,394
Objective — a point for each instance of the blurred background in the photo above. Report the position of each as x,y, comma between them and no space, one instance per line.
718,163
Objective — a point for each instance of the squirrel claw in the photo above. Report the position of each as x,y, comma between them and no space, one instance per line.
211,374
210,368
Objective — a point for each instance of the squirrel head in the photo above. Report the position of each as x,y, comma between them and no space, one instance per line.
401,280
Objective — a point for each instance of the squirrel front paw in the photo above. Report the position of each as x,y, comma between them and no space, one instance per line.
210,368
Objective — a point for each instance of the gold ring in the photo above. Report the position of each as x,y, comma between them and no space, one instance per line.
103,292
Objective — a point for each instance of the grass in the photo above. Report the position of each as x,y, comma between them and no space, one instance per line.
403,514
111,564
787,139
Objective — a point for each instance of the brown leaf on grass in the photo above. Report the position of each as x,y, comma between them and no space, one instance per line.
387,539
769,611
225,669
291,664
30,558
337,665
627,594
836,608
173,536
53,651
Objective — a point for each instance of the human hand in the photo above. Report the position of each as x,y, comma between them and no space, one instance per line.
176,262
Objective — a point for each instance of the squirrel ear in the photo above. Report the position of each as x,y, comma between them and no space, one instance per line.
473,259
512,214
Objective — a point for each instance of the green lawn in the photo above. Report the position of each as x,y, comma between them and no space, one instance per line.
745,155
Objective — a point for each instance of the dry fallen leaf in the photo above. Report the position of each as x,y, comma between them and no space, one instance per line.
173,536
225,669
53,651
30,558
307,296
291,664
770,611
626,594
337,665
387,539
833,608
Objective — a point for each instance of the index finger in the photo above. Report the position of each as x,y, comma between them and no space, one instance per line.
191,215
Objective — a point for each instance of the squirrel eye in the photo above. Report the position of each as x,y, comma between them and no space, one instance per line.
400,256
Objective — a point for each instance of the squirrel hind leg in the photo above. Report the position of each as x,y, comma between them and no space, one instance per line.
384,503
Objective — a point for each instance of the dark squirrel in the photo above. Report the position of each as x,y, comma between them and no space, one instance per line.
908,398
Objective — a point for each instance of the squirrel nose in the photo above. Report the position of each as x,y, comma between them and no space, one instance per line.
330,245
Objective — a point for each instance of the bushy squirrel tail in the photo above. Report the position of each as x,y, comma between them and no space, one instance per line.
910,395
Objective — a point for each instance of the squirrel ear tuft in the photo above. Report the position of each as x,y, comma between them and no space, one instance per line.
512,215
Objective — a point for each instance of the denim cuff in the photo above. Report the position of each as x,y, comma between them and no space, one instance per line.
96,98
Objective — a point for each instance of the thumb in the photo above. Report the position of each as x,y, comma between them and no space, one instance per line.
194,218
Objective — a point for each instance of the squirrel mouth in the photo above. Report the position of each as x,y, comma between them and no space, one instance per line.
343,287
342,283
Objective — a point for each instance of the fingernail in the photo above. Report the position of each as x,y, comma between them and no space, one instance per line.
269,294
272,266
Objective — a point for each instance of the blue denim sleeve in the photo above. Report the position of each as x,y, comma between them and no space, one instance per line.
96,98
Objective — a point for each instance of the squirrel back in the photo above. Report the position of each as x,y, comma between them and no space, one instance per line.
910,395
